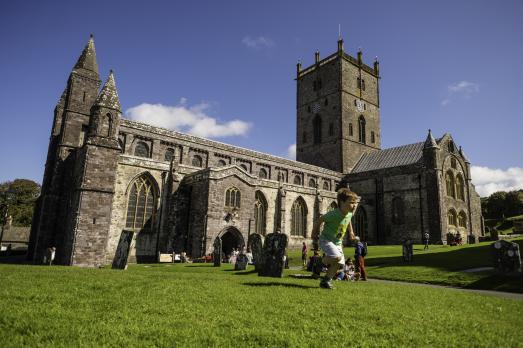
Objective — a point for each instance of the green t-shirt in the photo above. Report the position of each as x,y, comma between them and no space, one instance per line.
335,226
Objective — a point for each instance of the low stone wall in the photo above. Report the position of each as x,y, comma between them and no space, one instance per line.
16,234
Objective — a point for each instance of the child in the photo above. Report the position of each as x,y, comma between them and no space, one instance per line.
349,270
335,224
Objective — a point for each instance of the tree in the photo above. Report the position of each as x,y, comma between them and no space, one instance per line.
496,207
20,195
514,203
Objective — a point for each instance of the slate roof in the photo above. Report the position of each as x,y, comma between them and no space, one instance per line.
388,158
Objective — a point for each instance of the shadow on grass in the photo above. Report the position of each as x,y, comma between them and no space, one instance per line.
14,257
286,285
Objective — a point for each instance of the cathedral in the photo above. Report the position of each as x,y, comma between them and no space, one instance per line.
113,186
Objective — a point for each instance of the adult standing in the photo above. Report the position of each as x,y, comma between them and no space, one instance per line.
426,241
359,255
304,254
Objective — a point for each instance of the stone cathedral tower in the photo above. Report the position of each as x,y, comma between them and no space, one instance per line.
338,111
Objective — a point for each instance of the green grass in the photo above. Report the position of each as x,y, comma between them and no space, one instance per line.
441,264
197,305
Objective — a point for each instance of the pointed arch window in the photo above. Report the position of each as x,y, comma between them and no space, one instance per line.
244,167
359,224
462,219
350,130
109,123
299,218
141,204
260,213
361,129
262,174
233,198
141,149
169,154
197,161
312,182
452,217
221,163
317,129
450,184
297,180
326,185
460,187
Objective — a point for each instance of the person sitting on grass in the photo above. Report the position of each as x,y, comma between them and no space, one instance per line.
335,224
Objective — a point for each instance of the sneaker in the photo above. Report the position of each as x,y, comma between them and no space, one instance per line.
326,284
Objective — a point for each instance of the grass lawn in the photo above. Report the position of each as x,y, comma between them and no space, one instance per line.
441,264
197,305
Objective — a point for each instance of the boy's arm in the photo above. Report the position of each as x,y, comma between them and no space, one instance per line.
316,231
351,231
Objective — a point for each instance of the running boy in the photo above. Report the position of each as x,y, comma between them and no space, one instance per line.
335,224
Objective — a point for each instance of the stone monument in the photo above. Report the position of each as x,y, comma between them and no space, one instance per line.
241,262
408,252
506,256
256,245
274,250
217,252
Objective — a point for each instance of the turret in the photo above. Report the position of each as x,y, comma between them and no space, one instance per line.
106,111
430,151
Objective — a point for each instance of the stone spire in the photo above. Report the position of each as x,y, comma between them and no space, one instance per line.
108,97
430,142
87,59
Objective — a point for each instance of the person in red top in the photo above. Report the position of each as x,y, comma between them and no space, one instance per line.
304,254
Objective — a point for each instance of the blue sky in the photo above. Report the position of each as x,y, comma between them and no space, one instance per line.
226,69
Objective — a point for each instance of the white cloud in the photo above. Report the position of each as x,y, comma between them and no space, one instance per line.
189,119
291,151
257,43
462,89
488,180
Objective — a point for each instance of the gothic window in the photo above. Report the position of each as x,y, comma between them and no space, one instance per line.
359,224
297,180
109,123
350,129
221,163
460,187
359,82
452,217
398,211
462,219
232,198
169,154
362,84
332,206
141,149
453,163
244,166
304,137
197,161
312,182
299,218
141,204
262,174
326,185
451,146
331,129
317,129
361,129
450,184
260,213
372,137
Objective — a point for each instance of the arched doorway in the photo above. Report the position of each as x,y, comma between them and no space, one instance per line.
231,238
359,223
